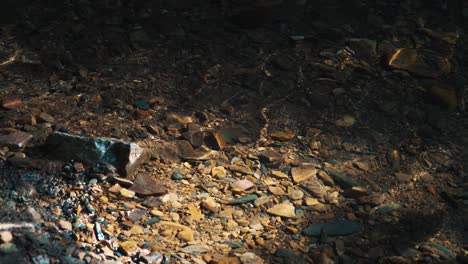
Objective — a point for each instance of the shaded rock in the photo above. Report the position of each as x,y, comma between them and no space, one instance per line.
345,121
314,187
345,181
443,95
285,209
167,152
196,138
326,178
436,249
364,48
15,140
146,184
19,162
8,248
303,173
126,157
283,63
45,118
224,137
374,199
355,192
335,227
419,63
271,157
282,135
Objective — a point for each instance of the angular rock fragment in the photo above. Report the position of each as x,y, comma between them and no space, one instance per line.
242,185
241,169
314,187
15,140
196,138
185,151
146,185
271,157
420,63
285,209
303,173
126,157
224,137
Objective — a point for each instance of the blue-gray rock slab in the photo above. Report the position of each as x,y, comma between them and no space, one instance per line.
335,227
125,156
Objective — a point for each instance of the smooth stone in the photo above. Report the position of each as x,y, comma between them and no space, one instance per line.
195,249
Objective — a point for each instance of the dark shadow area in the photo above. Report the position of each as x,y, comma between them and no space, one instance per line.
280,66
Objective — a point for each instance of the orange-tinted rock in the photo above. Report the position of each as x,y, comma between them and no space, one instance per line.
11,102
282,135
